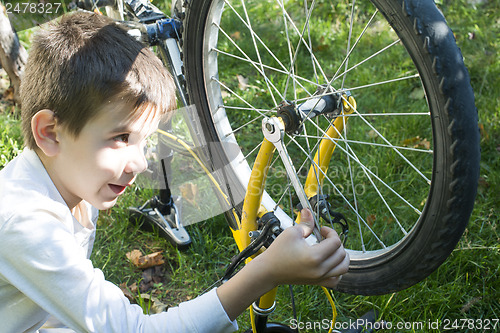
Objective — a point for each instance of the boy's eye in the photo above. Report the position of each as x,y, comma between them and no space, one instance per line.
122,138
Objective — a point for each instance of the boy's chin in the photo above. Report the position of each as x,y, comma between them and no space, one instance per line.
104,205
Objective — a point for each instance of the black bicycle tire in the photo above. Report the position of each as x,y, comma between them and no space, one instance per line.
420,26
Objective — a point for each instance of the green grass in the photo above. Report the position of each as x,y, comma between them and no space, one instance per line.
466,286
10,137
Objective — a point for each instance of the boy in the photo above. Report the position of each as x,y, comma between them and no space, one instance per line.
91,95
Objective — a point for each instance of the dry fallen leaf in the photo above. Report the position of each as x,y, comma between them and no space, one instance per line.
134,256
483,132
158,306
417,93
372,134
483,182
236,35
189,192
8,94
127,291
145,261
154,304
417,142
424,143
242,82
370,219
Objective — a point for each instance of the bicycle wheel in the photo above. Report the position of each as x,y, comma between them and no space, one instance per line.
405,169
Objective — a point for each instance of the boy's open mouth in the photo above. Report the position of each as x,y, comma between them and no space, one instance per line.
118,189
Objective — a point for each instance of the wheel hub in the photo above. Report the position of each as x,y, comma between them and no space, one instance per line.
323,102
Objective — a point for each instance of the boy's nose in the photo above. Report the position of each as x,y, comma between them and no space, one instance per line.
137,162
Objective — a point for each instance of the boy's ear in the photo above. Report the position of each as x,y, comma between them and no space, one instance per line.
43,126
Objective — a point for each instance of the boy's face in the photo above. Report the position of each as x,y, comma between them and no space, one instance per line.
104,159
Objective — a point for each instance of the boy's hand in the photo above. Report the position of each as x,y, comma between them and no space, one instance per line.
290,260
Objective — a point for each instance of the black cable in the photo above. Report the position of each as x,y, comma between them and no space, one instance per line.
294,310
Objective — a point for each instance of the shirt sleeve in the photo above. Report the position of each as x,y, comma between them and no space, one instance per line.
39,257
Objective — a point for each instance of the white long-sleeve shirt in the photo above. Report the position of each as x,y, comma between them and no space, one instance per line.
45,270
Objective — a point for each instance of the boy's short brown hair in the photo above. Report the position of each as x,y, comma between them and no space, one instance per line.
84,61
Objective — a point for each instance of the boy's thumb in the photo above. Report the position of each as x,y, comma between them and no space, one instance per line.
306,222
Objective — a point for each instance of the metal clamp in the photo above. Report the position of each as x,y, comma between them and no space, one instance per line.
263,312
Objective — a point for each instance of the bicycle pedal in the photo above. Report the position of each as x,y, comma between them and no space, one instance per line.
169,226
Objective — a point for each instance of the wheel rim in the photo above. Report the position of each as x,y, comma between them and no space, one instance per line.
381,170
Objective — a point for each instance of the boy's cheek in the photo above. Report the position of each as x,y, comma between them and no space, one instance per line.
109,161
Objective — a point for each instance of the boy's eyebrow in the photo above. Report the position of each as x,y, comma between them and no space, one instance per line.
122,128
125,128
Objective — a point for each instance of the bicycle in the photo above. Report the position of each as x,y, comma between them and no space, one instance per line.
391,107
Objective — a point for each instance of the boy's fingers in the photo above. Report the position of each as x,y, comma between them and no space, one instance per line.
338,263
306,221
328,232
331,282
306,216
332,277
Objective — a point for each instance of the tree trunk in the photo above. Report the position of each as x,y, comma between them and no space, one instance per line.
13,56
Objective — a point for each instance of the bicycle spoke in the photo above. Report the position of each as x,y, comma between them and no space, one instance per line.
345,128
371,181
310,46
348,43
251,152
356,43
392,146
279,71
238,96
385,114
370,171
429,151
249,60
246,124
258,53
300,34
256,37
342,195
366,59
379,83
289,47
344,122
352,180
